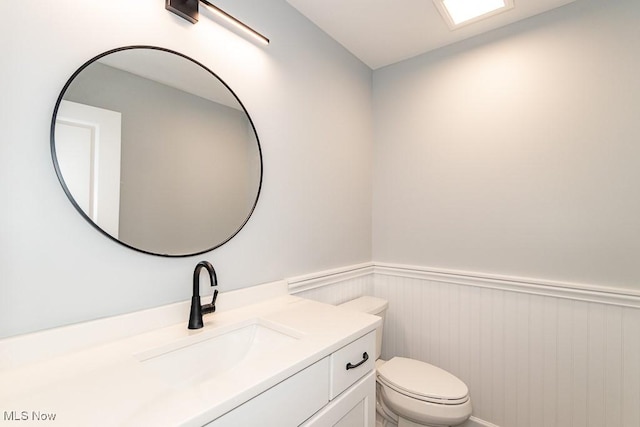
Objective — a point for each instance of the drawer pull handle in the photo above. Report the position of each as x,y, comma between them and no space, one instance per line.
365,357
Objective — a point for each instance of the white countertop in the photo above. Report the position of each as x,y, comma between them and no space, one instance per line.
107,384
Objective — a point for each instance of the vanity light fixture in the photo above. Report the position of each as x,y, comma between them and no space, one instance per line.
188,9
462,12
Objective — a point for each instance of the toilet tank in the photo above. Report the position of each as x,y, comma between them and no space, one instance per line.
371,305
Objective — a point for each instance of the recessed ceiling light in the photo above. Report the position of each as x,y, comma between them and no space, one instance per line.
462,12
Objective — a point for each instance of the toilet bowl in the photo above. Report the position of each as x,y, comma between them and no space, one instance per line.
409,392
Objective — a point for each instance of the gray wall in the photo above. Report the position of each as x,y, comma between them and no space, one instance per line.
311,104
516,153
513,153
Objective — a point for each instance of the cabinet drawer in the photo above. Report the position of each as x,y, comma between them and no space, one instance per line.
348,364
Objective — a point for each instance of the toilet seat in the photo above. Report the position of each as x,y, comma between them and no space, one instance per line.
421,412
422,381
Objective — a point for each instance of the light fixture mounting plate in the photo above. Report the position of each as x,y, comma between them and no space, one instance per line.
187,9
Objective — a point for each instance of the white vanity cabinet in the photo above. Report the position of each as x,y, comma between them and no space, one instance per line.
286,404
338,390
352,390
279,362
354,408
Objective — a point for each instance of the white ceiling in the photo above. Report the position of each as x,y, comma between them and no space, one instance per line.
174,71
381,32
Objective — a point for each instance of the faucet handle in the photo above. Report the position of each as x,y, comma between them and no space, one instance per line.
210,308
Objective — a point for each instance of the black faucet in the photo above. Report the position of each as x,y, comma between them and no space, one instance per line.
197,310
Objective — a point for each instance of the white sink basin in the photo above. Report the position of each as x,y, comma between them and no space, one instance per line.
210,353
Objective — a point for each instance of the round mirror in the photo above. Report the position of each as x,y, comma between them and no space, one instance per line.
156,151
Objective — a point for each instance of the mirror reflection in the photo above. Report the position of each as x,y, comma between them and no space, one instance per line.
156,151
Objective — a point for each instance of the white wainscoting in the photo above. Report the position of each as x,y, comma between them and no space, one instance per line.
533,353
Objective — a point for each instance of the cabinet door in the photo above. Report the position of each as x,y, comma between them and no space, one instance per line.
286,404
356,407
355,417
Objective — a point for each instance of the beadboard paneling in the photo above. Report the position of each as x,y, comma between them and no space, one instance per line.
533,354
529,360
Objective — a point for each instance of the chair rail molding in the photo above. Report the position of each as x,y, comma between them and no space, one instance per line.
329,277
566,290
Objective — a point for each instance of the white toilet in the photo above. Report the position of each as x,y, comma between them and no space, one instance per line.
412,393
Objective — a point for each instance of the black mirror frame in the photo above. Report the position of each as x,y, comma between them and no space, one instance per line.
68,192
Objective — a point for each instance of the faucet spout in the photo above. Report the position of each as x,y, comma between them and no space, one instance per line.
197,309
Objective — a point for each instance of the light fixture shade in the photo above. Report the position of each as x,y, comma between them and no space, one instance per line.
458,13
236,23
188,9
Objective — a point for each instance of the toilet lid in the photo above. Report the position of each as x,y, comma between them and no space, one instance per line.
423,381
